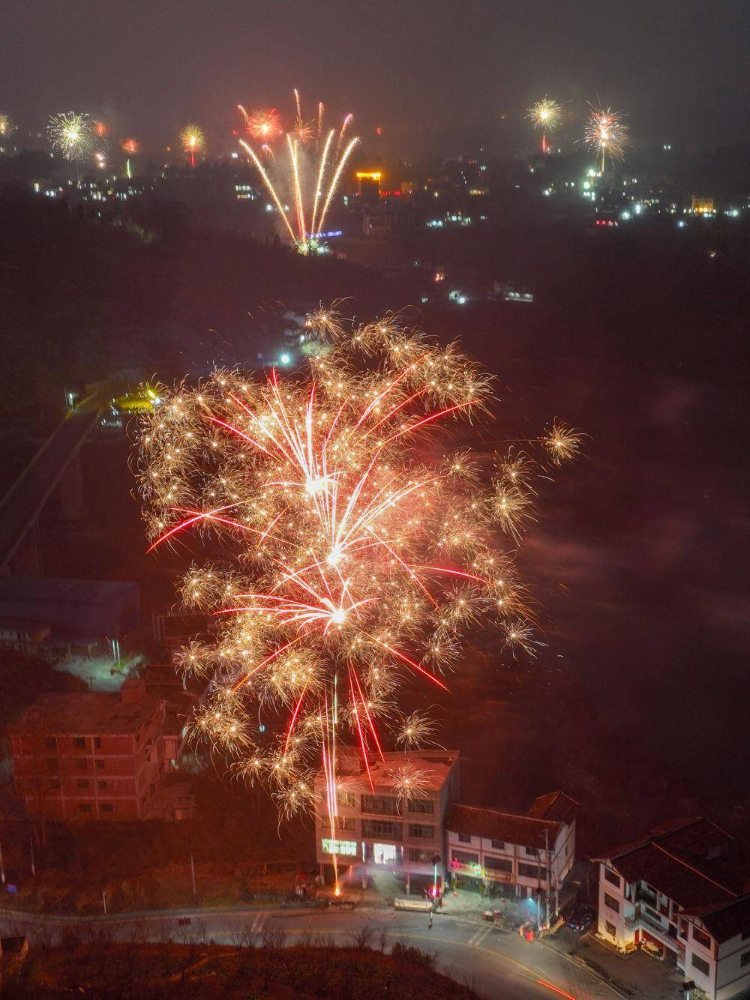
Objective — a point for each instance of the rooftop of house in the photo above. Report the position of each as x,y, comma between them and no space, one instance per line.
689,862
85,713
383,773
510,828
555,806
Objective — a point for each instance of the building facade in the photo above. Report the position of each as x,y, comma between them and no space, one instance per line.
680,894
378,830
88,756
518,854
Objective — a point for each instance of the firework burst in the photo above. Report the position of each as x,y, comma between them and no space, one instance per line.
546,116
606,134
264,124
193,141
6,125
312,179
72,135
356,551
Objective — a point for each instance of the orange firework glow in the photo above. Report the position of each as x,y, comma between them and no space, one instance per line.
353,550
131,146
100,129
193,141
264,124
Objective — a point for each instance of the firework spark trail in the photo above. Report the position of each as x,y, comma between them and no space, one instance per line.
317,188
347,555
606,134
545,115
71,135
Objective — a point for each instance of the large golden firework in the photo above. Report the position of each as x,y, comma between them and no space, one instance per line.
72,135
545,115
350,549
6,125
193,141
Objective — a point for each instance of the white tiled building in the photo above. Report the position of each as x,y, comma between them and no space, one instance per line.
679,893
524,852
376,831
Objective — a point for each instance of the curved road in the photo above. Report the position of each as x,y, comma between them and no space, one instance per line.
496,963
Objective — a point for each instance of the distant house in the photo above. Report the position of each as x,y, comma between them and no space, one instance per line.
518,853
56,618
679,893
90,755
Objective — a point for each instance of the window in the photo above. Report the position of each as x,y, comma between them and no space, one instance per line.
82,783
81,765
386,804
744,959
51,743
421,831
106,807
421,806
611,902
381,828
85,807
612,877
497,864
79,742
54,782
99,765
531,851
345,798
97,743
700,964
684,929
498,845
342,822
420,857
53,764
101,785
464,858
532,871
610,928
464,838
701,938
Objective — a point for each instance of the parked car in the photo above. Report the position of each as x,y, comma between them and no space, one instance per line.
582,919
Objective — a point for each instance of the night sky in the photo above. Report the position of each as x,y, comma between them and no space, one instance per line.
432,74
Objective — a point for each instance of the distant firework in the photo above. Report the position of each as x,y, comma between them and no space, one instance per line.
71,135
6,125
193,141
545,115
100,129
131,146
311,189
264,124
357,549
606,134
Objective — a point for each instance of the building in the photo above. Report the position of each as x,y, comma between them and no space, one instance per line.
379,831
679,893
517,853
90,755
57,618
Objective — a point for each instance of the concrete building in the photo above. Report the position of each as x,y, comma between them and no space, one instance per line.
376,830
517,853
91,755
679,893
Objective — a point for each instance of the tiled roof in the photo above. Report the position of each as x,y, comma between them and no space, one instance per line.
511,828
85,713
728,921
686,862
434,766
556,806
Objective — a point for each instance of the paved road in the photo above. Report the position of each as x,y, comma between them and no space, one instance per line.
496,963
23,502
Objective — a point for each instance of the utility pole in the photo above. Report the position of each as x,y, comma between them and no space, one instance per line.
104,901
192,872
2,864
33,866
549,877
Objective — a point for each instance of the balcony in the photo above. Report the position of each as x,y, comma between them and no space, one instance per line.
644,896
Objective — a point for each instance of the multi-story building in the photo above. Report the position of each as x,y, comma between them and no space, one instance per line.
379,830
517,853
90,755
680,893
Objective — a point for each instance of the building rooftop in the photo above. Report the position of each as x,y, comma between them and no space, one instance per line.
84,714
434,767
510,828
556,806
728,921
686,861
